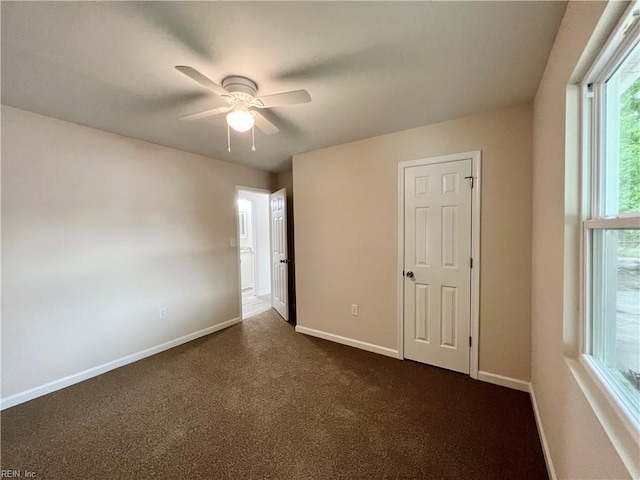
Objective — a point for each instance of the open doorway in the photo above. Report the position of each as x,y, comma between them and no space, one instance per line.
254,246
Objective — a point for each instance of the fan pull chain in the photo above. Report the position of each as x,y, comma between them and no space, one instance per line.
253,138
228,139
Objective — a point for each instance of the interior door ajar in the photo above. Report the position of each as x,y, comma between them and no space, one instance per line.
437,267
279,259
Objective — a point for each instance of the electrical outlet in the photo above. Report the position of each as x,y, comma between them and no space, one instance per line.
162,312
354,309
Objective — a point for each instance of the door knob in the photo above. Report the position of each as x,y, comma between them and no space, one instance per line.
284,261
409,274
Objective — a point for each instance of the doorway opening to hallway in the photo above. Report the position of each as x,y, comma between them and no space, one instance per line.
255,251
263,251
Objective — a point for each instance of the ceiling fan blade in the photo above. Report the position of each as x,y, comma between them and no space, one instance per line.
206,113
265,125
286,98
195,75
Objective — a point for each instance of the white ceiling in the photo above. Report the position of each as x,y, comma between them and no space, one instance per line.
370,67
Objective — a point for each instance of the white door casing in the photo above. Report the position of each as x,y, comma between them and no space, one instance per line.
279,259
436,251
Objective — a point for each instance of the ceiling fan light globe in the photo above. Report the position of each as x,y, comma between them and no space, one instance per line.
240,120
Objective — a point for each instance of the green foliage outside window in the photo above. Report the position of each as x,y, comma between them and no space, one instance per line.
629,193
629,199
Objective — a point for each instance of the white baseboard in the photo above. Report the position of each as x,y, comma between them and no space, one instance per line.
543,438
503,381
100,369
369,347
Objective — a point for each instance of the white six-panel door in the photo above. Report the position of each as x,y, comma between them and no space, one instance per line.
437,253
279,260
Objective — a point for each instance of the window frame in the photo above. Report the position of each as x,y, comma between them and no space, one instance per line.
625,37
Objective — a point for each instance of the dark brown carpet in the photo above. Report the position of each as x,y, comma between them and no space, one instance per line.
258,400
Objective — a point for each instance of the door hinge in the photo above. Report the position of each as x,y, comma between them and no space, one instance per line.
471,263
470,178
470,342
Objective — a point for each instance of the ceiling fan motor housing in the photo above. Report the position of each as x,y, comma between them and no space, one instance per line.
240,87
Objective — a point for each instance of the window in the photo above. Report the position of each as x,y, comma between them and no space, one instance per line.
611,196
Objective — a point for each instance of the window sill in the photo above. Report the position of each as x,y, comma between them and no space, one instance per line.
630,423
620,427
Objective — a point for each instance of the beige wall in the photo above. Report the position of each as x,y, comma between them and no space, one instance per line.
570,405
346,214
98,232
285,180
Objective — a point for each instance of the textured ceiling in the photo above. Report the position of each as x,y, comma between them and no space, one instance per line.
370,67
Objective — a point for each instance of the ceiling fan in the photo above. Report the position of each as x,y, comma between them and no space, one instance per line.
243,105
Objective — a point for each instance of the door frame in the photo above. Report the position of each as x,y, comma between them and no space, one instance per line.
476,160
246,189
